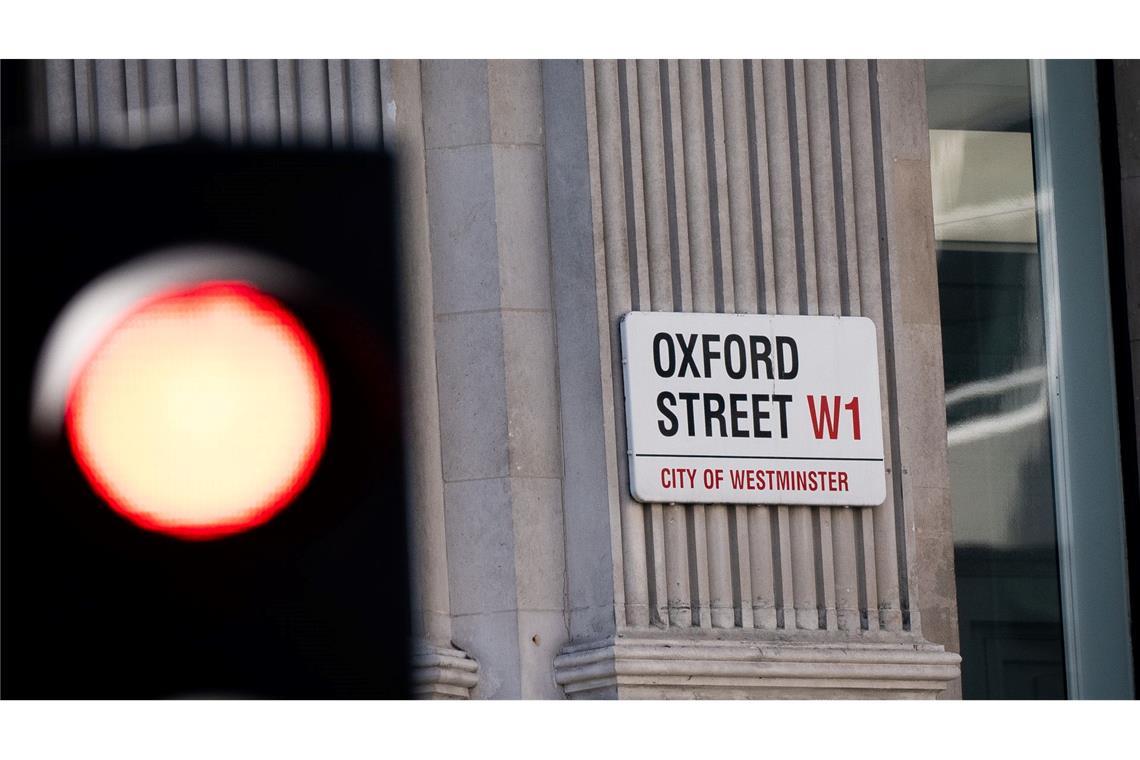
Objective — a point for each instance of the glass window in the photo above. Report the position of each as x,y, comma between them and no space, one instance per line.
997,410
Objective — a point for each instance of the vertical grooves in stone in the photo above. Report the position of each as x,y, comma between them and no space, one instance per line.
679,210
860,554
381,111
850,598
731,153
655,565
340,103
346,99
849,260
162,100
671,571
764,563
721,599
826,289
640,285
660,235
60,102
734,156
227,129
859,210
627,177
262,102
110,100
338,112
667,138
609,377
888,336
246,97
78,100
800,528
757,597
277,105
365,102
84,109
619,290
86,90
740,166
837,187
134,90
718,173
729,187
880,559
685,516
760,230
785,295
184,97
327,80
737,557
636,183
713,187
210,100
703,278
288,115
259,102
235,102
312,101
796,190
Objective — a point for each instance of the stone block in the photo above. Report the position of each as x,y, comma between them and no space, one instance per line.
515,94
586,500
455,102
464,237
520,215
532,394
542,633
902,98
911,219
472,401
480,546
540,562
922,423
491,638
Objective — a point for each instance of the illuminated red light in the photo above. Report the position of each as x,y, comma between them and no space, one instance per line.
203,412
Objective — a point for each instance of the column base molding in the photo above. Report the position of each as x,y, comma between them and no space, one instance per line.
632,666
442,673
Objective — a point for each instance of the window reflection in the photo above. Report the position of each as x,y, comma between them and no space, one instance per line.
994,363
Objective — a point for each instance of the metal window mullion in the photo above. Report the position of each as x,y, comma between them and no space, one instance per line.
1051,303
1081,381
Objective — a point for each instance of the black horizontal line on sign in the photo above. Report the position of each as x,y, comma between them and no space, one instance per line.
742,456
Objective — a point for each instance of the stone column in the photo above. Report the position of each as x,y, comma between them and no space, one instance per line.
498,383
783,187
440,670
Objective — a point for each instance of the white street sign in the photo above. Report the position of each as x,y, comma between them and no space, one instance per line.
753,409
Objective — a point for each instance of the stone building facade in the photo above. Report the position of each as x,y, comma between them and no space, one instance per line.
540,202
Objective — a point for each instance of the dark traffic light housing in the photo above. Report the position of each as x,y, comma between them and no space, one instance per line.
314,602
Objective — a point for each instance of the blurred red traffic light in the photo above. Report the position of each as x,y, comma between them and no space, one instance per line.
202,412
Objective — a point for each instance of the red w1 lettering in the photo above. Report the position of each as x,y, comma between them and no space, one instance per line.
825,417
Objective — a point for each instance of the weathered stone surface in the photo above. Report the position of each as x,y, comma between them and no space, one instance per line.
456,107
514,87
473,404
659,667
464,234
480,546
